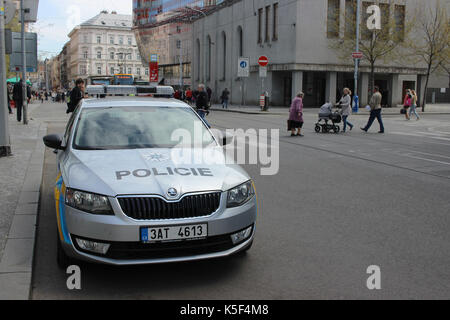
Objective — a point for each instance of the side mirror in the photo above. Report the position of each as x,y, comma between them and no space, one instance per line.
53,141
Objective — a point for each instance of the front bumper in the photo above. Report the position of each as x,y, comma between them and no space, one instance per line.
122,233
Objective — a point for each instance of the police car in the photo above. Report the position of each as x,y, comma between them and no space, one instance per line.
125,196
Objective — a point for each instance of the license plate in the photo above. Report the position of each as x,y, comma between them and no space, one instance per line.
174,233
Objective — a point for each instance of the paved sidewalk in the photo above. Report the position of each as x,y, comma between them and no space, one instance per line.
21,176
430,109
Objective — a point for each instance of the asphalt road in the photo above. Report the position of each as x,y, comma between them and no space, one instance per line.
339,204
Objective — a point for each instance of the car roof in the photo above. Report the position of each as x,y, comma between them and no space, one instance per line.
118,102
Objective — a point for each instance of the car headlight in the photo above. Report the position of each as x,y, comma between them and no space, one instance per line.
240,195
88,202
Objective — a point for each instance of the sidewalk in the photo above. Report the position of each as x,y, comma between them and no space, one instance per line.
21,176
276,111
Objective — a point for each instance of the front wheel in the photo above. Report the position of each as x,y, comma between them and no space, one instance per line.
336,129
317,128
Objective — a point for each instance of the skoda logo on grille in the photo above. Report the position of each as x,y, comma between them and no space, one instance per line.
172,192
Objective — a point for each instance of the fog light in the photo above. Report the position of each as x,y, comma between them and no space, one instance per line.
241,235
92,246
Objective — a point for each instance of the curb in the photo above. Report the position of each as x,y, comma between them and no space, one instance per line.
269,113
17,262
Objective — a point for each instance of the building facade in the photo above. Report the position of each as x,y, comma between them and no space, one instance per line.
102,47
296,36
164,28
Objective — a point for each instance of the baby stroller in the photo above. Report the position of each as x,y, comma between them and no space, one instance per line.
327,115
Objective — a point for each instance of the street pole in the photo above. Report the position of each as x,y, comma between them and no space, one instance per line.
181,67
5,141
46,75
24,66
358,20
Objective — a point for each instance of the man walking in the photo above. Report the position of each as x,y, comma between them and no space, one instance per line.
375,111
76,96
202,103
225,98
18,99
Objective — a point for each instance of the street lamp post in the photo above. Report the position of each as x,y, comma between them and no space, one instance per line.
24,65
358,19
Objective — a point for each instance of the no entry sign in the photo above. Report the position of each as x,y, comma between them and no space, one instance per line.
263,61
357,55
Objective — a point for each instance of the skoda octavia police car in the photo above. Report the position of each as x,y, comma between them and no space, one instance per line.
123,196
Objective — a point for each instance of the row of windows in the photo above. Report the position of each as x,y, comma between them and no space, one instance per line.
112,39
112,56
114,70
269,13
334,23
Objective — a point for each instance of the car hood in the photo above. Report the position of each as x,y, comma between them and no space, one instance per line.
151,171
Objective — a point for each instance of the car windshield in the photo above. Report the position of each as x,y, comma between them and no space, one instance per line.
139,128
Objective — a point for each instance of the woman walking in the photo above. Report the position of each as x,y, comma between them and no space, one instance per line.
413,108
407,103
345,105
295,121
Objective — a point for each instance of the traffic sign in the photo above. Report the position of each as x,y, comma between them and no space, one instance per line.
357,55
243,67
263,61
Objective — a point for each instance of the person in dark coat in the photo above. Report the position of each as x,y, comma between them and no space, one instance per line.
18,99
76,96
202,103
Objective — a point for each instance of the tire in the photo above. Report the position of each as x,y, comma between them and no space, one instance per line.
317,128
62,259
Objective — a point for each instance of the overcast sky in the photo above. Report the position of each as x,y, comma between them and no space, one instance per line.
56,18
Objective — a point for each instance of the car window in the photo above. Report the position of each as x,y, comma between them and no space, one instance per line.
139,127
69,126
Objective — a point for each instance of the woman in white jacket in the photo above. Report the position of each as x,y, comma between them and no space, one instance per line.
345,104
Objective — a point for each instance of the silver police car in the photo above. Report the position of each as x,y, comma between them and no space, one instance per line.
127,194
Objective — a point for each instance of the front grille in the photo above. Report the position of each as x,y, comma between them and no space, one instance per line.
149,208
135,250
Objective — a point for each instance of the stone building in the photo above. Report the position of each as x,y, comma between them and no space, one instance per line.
102,47
296,37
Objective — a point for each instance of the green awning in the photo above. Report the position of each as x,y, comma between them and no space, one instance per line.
15,80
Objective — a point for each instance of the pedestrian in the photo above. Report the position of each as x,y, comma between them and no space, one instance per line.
188,95
46,95
28,94
76,96
413,108
42,97
225,98
209,91
407,103
295,121
375,111
18,99
63,97
202,103
8,97
345,104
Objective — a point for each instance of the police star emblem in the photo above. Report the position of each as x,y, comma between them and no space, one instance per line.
155,157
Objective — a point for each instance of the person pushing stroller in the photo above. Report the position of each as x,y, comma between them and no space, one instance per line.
346,108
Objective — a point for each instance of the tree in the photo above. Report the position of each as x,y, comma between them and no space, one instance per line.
431,43
383,44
